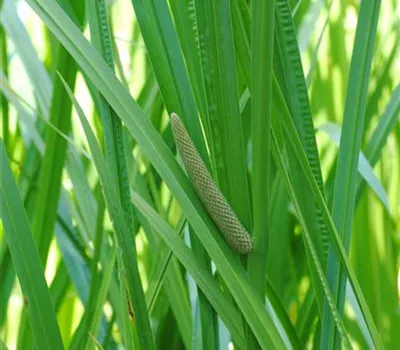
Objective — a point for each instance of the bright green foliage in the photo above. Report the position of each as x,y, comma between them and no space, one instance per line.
240,223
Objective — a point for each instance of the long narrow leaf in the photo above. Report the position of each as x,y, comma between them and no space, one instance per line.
350,143
124,236
27,261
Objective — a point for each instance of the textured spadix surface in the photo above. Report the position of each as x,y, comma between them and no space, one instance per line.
210,195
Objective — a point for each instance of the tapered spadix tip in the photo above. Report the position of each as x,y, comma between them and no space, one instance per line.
174,117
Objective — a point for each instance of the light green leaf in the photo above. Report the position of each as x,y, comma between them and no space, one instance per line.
364,167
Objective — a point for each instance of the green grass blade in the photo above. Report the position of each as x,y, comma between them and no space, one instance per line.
313,252
261,94
27,261
124,236
242,35
364,167
112,127
96,343
184,13
73,249
303,192
158,273
34,67
162,45
296,85
85,201
202,277
5,118
346,174
176,292
297,149
54,156
383,80
90,321
127,331
26,120
50,173
378,139
113,134
385,126
299,105
102,294
174,285
7,278
226,143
